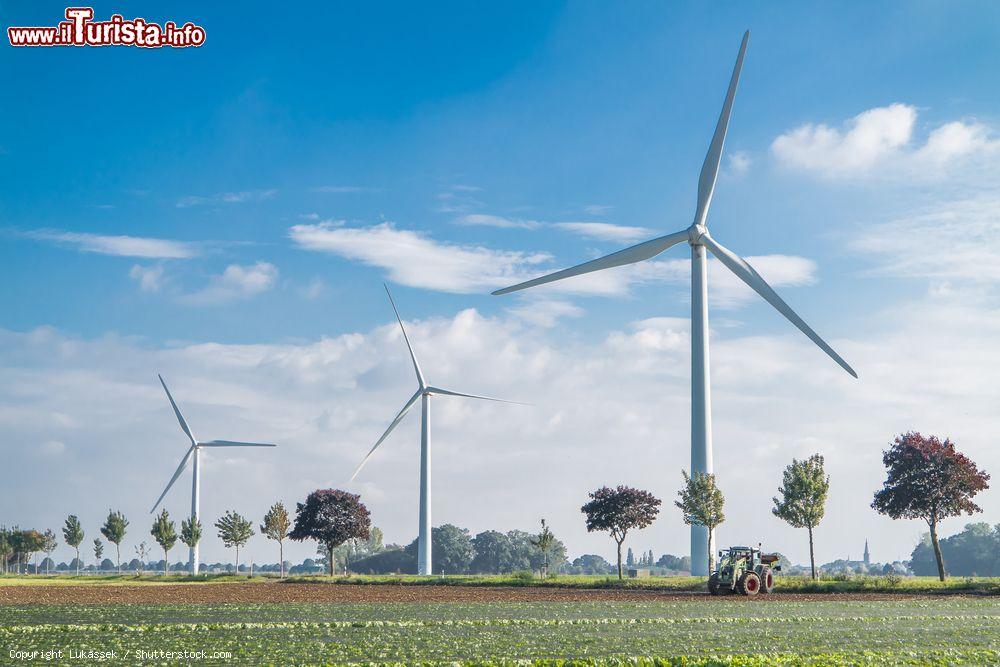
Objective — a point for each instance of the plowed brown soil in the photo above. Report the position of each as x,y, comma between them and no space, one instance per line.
340,593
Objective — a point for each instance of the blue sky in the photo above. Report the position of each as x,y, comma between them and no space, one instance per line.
271,180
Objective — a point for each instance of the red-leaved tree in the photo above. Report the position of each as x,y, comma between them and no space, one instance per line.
618,511
331,517
928,479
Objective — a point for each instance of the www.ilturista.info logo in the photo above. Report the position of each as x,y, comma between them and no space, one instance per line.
79,29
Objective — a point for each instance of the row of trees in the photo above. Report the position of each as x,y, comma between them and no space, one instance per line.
927,479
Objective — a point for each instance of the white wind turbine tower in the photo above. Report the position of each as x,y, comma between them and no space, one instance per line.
424,392
193,452
698,238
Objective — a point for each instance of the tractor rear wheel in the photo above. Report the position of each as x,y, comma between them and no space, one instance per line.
713,584
767,580
749,584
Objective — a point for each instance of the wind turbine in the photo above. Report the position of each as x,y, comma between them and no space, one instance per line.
193,452
699,239
424,393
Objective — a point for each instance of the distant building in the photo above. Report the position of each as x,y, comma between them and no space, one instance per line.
868,560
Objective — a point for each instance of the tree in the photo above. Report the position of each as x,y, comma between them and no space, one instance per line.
451,549
973,552
630,558
25,543
803,490
234,531
618,511
142,551
275,527
544,543
494,552
190,534
164,531
49,544
331,517
73,536
113,531
701,504
98,552
928,479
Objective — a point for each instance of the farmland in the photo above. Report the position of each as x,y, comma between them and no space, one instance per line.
322,624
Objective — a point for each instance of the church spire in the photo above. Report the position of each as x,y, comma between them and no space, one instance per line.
867,555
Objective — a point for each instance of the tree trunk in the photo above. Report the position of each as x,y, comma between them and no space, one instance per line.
118,555
237,559
166,563
620,560
77,561
281,559
812,557
710,554
937,549
329,558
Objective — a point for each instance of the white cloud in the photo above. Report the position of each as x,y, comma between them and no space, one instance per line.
226,198
951,241
603,231
484,220
880,142
545,312
739,163
614,410
597,209
236,282
150,278
121,246
413,259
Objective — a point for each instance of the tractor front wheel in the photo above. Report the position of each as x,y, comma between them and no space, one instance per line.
713,584
749,584
767,580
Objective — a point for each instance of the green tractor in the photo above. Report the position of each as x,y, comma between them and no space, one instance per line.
745,570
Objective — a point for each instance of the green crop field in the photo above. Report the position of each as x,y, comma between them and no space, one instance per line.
944,630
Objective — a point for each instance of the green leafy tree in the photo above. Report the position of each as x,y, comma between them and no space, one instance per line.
73,536
190,533
619,510
275,527
802,499
544,543
493,552
701,503
928,479
331,517
98,552
49,544
6,548
26,543
165,533
451,549
113,531
234,531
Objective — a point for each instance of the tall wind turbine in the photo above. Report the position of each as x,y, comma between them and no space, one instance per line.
424,393
193,452
699,239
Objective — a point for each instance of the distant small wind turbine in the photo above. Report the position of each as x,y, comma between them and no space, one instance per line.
424,392
698,238
194,451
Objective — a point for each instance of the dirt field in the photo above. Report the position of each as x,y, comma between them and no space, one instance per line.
334,593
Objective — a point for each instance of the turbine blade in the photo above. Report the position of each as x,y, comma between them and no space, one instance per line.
416,366
395,422
747,274
234,443
177,473
447,392
710,168
636,253
180,417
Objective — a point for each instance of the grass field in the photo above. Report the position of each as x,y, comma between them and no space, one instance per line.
478,624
